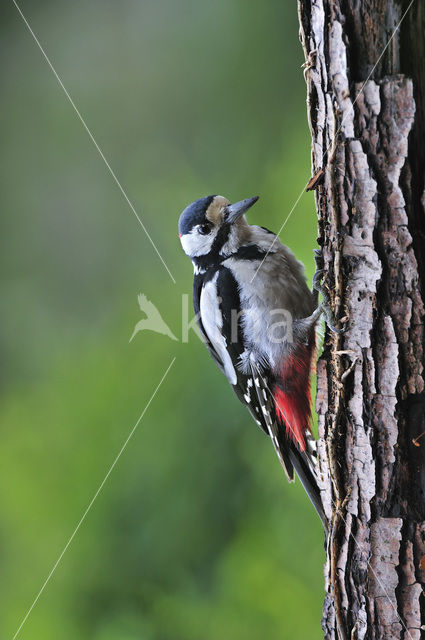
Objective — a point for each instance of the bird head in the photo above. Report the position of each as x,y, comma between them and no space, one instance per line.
213,226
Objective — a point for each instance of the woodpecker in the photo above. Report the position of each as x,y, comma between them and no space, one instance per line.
258,319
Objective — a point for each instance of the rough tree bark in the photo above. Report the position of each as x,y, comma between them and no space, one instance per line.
367,119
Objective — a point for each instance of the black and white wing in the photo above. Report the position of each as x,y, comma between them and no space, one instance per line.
304,462
281,444
198,283
216,303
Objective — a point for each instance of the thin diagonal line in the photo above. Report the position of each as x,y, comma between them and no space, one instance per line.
127,199
93,500
335,135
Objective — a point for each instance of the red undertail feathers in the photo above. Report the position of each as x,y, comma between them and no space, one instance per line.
292,395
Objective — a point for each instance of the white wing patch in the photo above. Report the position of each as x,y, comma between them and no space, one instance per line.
212,321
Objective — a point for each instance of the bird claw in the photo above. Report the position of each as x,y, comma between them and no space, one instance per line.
330,319
318,257
319,286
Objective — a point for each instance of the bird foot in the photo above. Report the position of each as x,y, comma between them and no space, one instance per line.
319,286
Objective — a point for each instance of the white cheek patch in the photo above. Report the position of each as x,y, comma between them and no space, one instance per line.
195,244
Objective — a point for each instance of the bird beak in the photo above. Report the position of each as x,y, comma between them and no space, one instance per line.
235,211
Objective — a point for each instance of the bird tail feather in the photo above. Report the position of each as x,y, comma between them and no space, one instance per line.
302,466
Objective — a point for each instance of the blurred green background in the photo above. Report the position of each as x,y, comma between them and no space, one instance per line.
196,533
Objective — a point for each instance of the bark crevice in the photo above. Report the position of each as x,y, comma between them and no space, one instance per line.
370,393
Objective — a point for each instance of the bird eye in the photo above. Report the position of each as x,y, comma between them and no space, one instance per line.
204,229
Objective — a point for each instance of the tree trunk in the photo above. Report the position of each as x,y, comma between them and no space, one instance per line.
366,113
